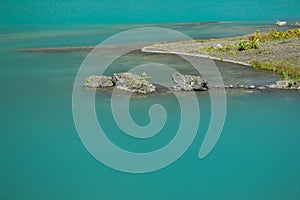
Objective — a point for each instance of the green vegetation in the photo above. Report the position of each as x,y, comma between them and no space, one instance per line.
140,83
286,67
279,35
144,77
276,51
253,41
289,73
243,45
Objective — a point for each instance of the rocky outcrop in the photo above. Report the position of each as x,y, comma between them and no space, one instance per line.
189,82
285,84
121,79
132,82
98,82
124,81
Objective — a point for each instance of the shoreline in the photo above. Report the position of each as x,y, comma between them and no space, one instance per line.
162,51
271,51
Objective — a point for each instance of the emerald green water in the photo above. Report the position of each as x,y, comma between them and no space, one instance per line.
42,157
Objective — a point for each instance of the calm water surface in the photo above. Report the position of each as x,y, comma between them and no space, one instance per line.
42,157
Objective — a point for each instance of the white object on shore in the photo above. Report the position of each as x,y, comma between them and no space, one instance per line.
296,23
280,23
219,46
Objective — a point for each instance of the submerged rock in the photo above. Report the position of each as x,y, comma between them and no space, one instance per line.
189,82
98,81
133,83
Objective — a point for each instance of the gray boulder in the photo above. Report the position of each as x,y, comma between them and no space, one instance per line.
133,83
189,82
98,81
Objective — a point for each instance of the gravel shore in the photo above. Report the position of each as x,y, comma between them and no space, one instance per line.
280,52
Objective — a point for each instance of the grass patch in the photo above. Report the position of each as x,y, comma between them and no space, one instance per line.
287,72
278,35
253,41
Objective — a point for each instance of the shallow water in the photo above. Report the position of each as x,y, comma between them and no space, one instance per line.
42,157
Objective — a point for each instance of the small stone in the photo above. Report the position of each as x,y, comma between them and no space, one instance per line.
175,88
219,46
262,88
230,86
298,88
272,86
242,86
251,87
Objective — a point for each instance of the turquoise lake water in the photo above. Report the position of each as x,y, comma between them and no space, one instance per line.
144,11
42,156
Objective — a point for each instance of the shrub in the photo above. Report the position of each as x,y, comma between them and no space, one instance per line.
251,43
242,46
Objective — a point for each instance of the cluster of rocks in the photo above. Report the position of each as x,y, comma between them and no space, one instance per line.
125,81
283,84
139,84
243,87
